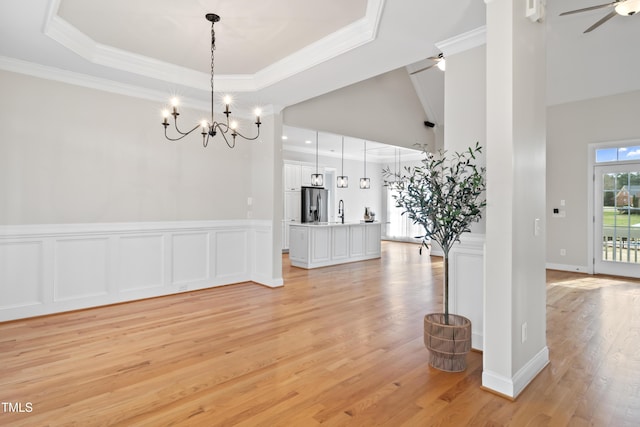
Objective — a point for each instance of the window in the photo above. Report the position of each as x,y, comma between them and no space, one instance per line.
618,154
398,226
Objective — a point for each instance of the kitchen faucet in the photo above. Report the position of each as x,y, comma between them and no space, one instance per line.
341,210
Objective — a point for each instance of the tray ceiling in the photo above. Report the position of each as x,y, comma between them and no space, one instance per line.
251,34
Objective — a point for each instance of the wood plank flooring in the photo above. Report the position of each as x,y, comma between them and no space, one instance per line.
337,346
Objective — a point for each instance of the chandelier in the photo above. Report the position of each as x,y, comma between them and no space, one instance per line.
210,128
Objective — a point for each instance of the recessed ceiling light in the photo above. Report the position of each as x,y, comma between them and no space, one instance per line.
285,137
307,142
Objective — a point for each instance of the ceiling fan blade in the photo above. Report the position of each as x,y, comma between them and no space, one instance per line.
602,21
600,6
422,69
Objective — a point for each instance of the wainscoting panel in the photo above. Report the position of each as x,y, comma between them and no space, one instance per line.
141,262
81,268
190,256
20,274
466,287
47,269
232,250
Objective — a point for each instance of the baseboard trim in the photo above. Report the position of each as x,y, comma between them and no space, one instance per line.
567,267
512,387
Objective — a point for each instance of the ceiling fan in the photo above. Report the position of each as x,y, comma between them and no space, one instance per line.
439,62
620,7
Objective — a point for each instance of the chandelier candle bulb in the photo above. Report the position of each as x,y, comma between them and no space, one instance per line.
227,102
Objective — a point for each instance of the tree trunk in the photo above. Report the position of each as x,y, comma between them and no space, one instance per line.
446,288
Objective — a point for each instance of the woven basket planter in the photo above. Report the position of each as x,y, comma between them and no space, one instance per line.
448,345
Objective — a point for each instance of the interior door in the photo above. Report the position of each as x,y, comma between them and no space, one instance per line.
617,220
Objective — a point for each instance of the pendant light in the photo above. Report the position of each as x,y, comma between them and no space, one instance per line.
365,183
343,181
317,180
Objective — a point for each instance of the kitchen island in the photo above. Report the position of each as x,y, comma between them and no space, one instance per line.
314,245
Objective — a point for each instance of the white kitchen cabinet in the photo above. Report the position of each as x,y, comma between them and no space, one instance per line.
339,243
297,175
299,245
318,245
292,200
291,213
372,239
292,175
356,238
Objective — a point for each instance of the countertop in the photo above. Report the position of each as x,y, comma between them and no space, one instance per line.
332,224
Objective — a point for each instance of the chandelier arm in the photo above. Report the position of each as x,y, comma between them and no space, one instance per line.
182,134
224,135
172,139
220,125
247,138
175,124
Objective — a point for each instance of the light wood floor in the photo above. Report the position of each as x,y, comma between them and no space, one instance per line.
336,346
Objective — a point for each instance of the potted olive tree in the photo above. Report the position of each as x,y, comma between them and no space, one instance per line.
445,195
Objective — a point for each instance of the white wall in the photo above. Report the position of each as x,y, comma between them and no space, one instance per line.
570,128
384,109
74,155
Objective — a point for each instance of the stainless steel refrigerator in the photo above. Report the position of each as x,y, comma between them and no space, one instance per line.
314,204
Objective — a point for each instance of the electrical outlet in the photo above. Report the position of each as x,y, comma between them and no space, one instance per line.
524,332
563,252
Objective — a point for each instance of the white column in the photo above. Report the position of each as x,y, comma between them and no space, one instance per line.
266,188
515,285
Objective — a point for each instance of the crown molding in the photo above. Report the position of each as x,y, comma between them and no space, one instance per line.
105,85
350,37
84,80
464,41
